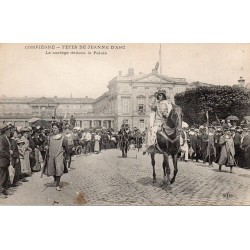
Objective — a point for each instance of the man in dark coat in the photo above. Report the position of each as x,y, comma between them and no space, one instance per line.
72,121
15,159
195,145
246,147
5,157
203,136
217,145
32,145
237,144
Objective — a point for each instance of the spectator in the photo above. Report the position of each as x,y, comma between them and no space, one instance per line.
237,144
184,144
72,121
5,157
25,152
69,137
195,145
246,147
227,151
97,144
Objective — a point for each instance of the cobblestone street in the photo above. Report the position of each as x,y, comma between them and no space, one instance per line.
109,179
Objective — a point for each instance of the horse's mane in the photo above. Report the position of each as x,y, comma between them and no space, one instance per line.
170,116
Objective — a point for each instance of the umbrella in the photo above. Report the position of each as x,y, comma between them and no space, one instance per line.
40,122
185,125
232,118
33,120
247,117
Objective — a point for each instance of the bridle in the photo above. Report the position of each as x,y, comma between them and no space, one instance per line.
177,122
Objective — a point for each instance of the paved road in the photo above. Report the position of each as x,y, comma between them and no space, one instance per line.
108,179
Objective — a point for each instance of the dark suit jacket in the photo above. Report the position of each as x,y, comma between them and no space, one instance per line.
4,152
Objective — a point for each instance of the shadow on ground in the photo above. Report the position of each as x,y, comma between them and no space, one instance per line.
52,184
147,181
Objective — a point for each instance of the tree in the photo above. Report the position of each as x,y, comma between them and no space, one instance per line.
219,101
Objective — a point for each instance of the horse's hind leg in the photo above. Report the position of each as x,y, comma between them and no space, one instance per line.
175,168
153,165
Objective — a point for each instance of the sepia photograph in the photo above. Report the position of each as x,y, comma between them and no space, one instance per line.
133,124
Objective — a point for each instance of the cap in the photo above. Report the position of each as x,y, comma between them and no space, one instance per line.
19,141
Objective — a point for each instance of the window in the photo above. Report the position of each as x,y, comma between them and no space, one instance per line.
141,105
179,89
125,105
125,121
142,125
125,88
18,107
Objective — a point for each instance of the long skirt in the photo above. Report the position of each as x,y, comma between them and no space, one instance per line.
97,146
39,159
25,164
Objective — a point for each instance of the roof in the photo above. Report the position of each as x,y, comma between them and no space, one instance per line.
151,77
24,100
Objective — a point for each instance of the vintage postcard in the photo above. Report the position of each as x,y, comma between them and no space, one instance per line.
124,124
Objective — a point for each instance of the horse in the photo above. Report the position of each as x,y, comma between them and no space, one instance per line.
168,143
124,140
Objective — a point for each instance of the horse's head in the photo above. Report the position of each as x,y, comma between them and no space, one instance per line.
175,118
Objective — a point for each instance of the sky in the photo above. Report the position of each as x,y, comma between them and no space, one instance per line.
26,71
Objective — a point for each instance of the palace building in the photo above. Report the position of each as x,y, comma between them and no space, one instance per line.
126,101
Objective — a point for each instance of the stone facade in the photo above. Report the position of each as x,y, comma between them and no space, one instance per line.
126,101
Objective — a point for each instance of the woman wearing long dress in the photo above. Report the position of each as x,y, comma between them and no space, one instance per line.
97,143
25,152
58,153
227,151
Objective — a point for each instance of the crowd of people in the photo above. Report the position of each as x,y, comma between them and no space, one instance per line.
33,148
226,144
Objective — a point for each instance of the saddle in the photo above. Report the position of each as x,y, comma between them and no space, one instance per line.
165,131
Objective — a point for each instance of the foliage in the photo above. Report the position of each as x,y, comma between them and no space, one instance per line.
220,101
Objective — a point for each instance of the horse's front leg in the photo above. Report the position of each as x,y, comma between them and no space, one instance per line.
175,168
166,169
153,165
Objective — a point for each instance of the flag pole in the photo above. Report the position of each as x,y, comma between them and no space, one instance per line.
160,62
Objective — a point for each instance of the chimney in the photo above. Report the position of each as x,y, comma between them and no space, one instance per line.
120,73
241,82
131,71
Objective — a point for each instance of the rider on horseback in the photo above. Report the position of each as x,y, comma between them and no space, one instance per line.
161,107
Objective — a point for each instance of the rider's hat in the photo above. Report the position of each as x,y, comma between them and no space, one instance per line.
161,92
